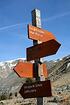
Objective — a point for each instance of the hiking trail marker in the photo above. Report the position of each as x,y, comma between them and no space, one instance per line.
37,89
41,50
27,70
36,33
44,44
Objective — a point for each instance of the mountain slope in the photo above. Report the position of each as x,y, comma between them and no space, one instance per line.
9,80
59,73
62,67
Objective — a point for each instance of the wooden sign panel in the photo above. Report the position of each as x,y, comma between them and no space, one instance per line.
45,70
36,33
26,70
38,89
42,50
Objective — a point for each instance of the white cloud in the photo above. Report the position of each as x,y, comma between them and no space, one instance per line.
57,16
10,26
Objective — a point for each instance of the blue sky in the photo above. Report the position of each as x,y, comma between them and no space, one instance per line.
16,14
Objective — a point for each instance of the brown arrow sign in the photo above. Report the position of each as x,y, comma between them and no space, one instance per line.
38,89
27,70
41,50
36,33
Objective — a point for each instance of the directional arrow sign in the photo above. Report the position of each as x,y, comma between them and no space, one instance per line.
26,69
38,89
41,50
36,33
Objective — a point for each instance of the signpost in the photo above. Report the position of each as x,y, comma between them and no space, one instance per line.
27,70
44,44
37,89
48,47
41,50
39,34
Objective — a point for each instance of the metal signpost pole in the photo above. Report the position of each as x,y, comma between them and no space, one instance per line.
36,21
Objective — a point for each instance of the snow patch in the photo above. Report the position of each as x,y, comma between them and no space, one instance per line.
68,65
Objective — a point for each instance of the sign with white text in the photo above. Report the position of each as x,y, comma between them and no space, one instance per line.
37,89
36,33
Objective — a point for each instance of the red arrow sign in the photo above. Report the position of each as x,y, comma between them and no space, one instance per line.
37,89
41,50
26,69
36,33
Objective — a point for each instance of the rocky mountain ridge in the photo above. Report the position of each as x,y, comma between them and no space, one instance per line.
58,70
58,73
